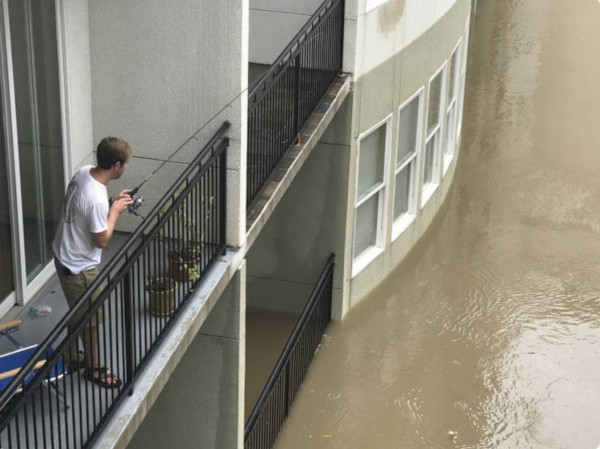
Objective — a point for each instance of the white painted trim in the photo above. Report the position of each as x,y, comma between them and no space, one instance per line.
63,80
437,134
12,152
401,223
365,259
31,289
451,110
367,256
463,77
7,304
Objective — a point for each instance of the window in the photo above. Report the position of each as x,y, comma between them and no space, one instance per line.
431,167
409,132
373,148
451,107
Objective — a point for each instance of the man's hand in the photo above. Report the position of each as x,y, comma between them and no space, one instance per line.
125,193
120,205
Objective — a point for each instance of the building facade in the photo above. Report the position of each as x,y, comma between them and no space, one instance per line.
165,76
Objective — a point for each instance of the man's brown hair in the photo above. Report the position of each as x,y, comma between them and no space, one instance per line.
111,150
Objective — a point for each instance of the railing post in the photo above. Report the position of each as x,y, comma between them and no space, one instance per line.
297,95
129,347
287,402
223,199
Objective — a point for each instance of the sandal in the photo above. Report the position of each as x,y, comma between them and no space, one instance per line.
75,365
100,375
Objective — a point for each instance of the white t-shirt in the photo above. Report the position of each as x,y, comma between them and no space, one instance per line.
85,211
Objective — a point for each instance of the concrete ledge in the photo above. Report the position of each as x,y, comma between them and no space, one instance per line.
130,414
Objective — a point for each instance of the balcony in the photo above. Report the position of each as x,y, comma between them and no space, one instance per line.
142,338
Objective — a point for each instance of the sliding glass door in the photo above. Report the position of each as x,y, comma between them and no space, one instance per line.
31,66
38,117
7,284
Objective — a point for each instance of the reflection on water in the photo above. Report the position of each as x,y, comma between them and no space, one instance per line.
488,334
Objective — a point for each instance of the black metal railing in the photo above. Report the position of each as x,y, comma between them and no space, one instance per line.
276,399
282,101
142,290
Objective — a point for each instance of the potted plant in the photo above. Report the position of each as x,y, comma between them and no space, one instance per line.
161,291
184,257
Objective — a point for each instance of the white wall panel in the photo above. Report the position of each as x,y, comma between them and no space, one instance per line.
76,55
270,33
392,26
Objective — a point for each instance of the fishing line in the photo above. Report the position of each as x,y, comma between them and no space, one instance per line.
137,201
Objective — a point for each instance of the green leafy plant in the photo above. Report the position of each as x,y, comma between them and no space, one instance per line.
184,257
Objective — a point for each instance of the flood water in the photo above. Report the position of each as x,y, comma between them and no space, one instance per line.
490,329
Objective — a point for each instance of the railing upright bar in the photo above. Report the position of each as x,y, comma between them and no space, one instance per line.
297,111
129,330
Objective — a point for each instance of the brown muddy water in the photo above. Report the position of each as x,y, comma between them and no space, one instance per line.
488,334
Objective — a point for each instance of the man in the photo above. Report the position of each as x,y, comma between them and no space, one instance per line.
86,226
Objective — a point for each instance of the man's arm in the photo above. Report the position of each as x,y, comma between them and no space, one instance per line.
101,239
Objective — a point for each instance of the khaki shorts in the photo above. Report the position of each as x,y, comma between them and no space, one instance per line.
74,286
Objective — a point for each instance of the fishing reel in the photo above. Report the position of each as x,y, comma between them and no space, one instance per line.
133,207
137,202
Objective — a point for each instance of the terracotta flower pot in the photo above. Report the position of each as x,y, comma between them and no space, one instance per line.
181,267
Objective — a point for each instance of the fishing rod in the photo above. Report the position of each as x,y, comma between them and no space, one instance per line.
139,200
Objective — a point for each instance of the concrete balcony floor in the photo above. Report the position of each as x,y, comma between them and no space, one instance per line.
34,329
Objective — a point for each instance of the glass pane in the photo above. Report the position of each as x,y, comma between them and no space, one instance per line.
453,75
450,130
6,261
38,116
402,191
407,131
371,156
429,160
435,92
365,234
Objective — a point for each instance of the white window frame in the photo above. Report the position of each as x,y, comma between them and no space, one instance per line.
451,115
429,188
463,76
361,261
412,162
